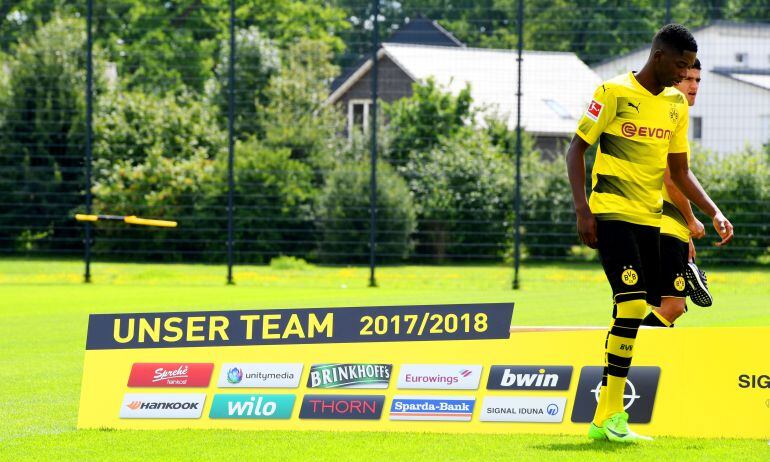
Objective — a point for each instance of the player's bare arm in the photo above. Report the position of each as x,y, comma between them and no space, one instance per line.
691,188
697,229
576,170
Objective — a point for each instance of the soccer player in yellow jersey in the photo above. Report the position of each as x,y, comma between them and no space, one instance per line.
641,126
678,227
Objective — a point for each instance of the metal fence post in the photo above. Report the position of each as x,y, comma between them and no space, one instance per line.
373,148
517,245
89,134
230,144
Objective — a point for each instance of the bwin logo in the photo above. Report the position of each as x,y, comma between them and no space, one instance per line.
541,379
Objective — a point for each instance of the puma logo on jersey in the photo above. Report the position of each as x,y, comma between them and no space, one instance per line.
635,107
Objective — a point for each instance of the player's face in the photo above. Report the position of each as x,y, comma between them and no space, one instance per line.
689,86
671,66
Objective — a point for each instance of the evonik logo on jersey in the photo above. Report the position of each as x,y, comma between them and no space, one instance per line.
439,376
170,374
162,405
457,408
529,378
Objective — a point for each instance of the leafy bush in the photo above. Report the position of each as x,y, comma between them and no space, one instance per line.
344,220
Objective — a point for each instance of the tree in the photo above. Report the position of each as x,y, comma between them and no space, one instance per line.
418,123
41,154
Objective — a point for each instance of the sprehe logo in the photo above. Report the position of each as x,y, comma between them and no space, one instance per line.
170,374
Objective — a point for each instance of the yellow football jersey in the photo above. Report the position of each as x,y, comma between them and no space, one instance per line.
673,223
636,130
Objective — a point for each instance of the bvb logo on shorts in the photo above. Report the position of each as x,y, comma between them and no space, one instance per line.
629,277
679,283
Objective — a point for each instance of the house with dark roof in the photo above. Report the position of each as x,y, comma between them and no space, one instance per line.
732,109
551,105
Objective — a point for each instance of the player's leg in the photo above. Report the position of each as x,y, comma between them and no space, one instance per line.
673,258
620,255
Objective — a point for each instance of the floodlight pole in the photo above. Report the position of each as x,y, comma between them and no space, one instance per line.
517,221
230,144
89,134
373,148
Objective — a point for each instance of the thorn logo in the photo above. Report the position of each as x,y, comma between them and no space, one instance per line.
134,405
465,372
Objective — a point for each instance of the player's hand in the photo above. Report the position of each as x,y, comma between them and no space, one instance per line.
697,230
586,225
691,252
724,228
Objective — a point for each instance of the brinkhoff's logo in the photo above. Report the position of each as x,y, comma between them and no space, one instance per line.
357,407
529,378
349,376
753,381
630,129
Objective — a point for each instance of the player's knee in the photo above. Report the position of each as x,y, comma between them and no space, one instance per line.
635,309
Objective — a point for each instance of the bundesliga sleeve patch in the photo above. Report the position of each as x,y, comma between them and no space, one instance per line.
594,109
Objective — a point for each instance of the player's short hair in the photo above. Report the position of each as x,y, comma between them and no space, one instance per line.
675,36
696,64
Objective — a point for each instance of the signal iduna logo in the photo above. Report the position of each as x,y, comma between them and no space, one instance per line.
170,374
522,409
439,376
162,405
458,408
355,407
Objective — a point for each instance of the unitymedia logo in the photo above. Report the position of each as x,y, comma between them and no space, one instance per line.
349,376
529,378
260,375
232,406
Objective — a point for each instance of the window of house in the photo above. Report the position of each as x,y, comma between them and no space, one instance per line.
697,127
741,57
358,115
556,107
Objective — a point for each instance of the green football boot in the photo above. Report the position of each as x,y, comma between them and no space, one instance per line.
596,433
616,430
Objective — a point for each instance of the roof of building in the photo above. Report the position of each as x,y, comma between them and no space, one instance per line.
555,85
756,77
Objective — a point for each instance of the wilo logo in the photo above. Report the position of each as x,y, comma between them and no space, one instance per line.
529,378
162,405
439,376
252,406
260,375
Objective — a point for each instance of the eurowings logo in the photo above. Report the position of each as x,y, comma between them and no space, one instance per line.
439,377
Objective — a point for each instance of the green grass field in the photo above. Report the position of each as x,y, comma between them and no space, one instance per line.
43,320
